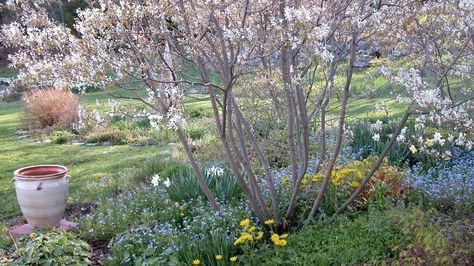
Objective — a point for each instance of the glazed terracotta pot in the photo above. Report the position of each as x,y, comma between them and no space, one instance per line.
42,192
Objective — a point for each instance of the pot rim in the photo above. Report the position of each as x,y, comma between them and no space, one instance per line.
58,174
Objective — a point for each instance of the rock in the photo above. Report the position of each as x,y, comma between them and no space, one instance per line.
26,229
106,143
395,54
46,141
91,144
363,61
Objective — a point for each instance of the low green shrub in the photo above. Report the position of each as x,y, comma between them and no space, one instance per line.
114,136
196,131
428,243
197,111
55,247
275,147
62,136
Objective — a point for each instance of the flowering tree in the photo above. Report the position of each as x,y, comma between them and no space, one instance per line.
276,49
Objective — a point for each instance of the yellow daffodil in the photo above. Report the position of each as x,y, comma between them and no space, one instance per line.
251,229
429,142
285,180
413,149
239,241
233,259
279,240
270,222
259,235
275,237
245,223
244,237
219,257
196,262
317,177
355,184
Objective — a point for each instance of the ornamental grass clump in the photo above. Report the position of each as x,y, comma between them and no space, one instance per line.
51,107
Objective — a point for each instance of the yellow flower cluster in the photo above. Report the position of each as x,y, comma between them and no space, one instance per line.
244,237
339,174
317,177
247,235
245,223
269,222
279,240
196,262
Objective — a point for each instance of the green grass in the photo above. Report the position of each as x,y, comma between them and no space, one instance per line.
95,170
6,72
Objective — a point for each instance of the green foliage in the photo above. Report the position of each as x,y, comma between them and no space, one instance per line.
5,240
363,144
197,111
143,245
196,130
114,136
55,247
275,147
427,241
118,214
367,238
205,249
184,186
153,166
84,88
61,136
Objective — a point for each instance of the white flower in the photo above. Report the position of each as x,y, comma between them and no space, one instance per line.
401,137
167,182
155,121
450,138
155,180
216,171
461,139
376,137
377,126
438,138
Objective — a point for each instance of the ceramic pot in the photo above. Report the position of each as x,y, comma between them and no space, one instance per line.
42,192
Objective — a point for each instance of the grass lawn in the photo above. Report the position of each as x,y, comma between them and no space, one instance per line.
95,170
